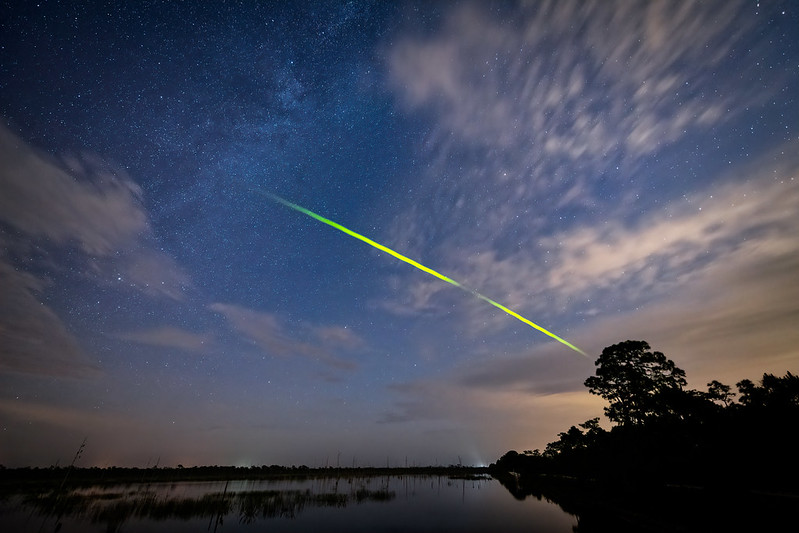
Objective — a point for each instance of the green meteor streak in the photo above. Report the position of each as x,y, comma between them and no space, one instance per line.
420,266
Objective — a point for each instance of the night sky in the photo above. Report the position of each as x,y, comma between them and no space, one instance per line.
609,170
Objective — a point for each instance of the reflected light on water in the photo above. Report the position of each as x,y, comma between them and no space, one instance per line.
350,503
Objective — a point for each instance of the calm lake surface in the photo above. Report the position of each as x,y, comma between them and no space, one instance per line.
409,503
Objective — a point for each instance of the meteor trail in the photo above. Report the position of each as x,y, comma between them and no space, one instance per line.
420,266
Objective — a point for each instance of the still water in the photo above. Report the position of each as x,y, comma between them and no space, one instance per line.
385,503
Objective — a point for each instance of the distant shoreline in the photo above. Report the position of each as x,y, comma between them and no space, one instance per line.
35,478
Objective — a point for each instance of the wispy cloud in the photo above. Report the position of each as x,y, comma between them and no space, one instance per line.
496,82
667,248
82,203
275,338
58,219
33,339
62,417
732,319
549,371
543,132
100,213
709,280
112,436
171,337
339,336
749,218
508,418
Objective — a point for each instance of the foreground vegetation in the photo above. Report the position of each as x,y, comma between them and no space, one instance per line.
116,508
665,433
113,498
669,443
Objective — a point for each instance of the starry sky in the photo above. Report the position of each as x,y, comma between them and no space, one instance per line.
611,170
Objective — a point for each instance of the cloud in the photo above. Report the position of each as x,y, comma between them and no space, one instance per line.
170,337
61,218
745,221
269,333
155,273
43,434
33,339
728,319
495,418
82,203
734,319
339,337
99,214
62,417
537,112
498,82
709,280
549,371
665,248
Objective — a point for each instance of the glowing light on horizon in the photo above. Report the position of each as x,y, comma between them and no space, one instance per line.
421,267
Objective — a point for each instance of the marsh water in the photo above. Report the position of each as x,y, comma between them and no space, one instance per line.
409,503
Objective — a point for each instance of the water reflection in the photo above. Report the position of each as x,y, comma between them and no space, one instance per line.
407,503
624,508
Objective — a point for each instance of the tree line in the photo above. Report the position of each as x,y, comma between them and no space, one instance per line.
665,433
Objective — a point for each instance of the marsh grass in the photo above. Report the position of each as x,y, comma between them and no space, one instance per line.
112,497
114,508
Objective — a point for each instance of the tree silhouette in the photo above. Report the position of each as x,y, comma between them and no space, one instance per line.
666,435
587,435
637,383
719,392
774,392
